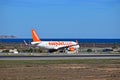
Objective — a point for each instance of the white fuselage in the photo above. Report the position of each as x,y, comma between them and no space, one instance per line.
56,44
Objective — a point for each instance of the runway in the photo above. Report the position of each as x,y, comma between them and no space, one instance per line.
62,57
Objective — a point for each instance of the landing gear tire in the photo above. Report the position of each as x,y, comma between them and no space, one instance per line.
65,51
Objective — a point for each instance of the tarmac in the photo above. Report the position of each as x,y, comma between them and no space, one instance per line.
59,56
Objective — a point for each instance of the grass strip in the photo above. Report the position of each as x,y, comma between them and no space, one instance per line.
83,61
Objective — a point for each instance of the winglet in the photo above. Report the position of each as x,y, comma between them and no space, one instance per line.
25,43
35,36
77,41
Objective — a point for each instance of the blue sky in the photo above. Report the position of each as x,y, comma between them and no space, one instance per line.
60,18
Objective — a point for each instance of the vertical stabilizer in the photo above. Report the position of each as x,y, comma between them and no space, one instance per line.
35,36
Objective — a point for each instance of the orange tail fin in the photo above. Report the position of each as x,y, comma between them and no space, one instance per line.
35,36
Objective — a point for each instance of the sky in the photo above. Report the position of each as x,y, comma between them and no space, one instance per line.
60,18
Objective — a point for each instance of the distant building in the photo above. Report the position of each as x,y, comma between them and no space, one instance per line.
13,51
7,36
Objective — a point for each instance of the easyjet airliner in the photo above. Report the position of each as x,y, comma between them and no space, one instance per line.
54,45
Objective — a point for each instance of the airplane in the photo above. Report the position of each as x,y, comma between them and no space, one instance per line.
52,46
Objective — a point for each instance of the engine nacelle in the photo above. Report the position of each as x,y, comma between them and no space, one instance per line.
71,49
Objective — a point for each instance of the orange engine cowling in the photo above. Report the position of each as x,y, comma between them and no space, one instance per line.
72,49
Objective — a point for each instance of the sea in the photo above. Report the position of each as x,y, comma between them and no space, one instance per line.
28,40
